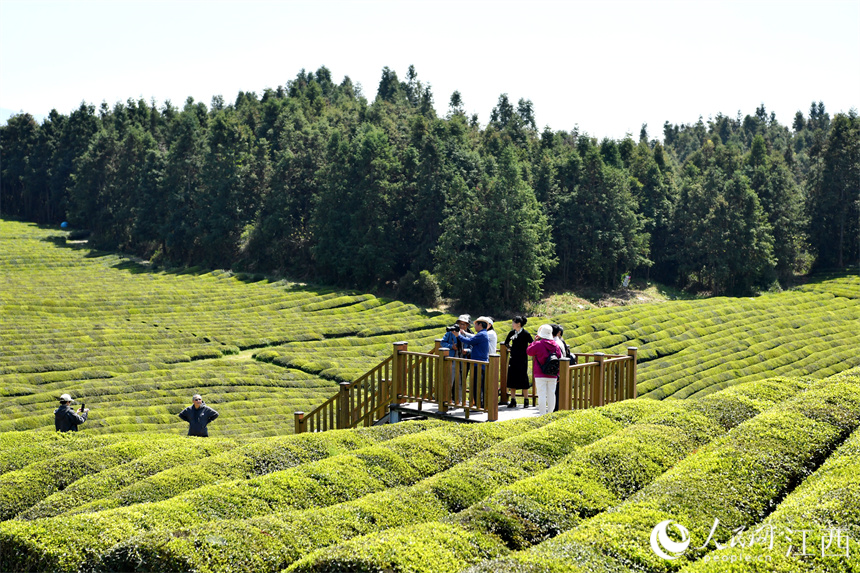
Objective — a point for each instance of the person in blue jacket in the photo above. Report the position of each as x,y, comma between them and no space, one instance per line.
198,416
451,343
479,346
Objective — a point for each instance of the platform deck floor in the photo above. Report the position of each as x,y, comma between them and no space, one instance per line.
505,413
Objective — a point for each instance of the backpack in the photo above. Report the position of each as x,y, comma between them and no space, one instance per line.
551,366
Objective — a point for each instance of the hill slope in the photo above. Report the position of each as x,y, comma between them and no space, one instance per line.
135,344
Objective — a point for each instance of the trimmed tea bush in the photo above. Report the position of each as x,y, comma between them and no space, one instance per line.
738,479
63,543
827,501
272,542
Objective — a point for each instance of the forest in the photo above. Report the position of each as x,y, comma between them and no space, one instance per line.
314,181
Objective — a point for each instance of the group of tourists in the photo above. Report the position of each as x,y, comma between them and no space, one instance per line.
198,415
461,342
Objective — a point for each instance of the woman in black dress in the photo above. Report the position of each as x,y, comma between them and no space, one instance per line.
518,341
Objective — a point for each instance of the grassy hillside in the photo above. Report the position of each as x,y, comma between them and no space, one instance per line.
572,491
135,344
766,435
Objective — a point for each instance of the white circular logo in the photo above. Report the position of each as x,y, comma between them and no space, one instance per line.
660,540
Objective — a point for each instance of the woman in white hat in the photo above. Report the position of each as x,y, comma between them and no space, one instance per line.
545,383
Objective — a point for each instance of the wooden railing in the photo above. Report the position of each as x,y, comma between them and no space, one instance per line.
597,380
585,381
359,403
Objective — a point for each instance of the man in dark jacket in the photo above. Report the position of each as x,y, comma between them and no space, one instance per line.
198,416
66,419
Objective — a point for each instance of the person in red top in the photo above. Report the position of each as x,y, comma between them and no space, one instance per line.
541,349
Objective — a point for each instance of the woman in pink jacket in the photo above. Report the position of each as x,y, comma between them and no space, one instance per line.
541,349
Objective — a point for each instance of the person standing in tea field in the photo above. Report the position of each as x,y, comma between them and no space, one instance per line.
517,342
66,419
198,415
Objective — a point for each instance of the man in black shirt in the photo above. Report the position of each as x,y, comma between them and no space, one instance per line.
198,416
66,419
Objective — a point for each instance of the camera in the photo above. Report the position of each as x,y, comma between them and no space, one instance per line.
453,328
83,407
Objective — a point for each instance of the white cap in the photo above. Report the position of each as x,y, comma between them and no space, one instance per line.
467,318
486,319
545,331
66,398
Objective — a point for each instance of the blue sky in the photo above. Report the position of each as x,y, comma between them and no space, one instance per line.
606,67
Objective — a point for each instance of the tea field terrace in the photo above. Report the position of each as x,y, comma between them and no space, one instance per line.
136,343
571,491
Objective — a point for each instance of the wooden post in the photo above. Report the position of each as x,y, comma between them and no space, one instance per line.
299,422
343,420
491,391
503,373
632,392
398,372
564,402
599,383
443,382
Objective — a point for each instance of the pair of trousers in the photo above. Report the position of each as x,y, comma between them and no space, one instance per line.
546,394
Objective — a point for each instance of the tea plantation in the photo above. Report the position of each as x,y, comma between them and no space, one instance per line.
758,430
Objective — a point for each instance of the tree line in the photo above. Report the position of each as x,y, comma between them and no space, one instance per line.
313,180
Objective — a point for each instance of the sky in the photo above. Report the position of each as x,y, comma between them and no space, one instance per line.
603,67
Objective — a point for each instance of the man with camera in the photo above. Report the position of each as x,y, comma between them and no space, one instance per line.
66,419
451,343
478,345
198,416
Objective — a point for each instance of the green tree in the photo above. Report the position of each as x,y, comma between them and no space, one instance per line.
782,203
357,221
184,183
607,236
834,194
232,185
495,249
19,139
654,194
283,236
724,239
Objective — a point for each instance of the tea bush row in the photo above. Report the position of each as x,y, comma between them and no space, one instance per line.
21,489
794,347
738,479
586,483
63,542
95,486
273,541
828,501
257,458
268,543
237,389
541,507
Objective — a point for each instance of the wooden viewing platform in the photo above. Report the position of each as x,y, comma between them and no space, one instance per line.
433,384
